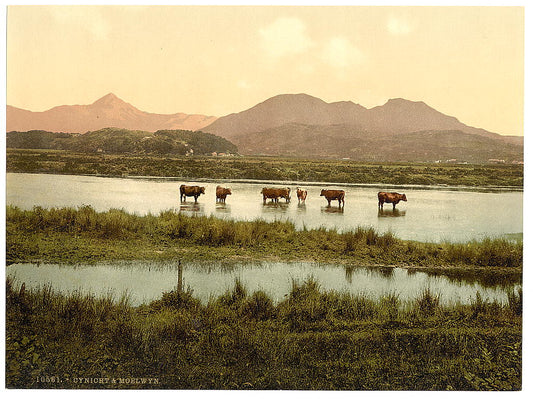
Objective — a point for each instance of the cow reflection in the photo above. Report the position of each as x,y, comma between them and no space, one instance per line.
301,207
222,207
192,208
388,213
332,209
274,207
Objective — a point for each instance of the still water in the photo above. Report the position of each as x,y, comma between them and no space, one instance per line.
145,281
429,214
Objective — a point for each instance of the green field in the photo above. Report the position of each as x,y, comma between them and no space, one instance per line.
263,168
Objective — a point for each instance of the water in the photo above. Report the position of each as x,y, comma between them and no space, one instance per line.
146,281
429,215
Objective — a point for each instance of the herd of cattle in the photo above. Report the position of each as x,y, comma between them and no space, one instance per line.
274,194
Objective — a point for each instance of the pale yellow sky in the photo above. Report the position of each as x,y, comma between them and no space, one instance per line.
467,62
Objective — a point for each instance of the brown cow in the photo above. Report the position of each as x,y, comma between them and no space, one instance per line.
301,194
191,191
393,198
275,193
221,194
333,195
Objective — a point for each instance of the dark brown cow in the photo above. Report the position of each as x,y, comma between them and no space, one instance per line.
191,191
389,198
301,194
221,194
275,193
333,195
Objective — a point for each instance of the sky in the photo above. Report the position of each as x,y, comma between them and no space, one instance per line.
466,62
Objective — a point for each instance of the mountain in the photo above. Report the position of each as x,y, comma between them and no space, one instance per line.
397,116
302,125
108,111
283,109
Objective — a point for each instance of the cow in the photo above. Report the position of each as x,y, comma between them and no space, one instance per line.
333,195
275,193
389,198
191,191
221,194
301,194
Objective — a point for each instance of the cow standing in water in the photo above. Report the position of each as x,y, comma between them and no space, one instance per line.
390,198
221,194
191,191
275,193
333,195
301,194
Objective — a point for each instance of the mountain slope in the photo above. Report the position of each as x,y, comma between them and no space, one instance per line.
108,111
344,141
283,109
397,116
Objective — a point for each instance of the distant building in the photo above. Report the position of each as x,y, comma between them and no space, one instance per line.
496,160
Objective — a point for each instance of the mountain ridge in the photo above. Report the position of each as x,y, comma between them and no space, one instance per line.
299,124
107,111
396,116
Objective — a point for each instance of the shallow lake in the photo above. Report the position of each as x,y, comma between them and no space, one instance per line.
146,281
429,214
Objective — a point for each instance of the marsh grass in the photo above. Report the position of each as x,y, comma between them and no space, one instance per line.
56,233
311,340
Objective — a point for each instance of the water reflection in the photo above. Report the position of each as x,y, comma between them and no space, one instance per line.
191,208
331,209
386,271
146,281
390,213
180,277
222,207
275,207
349,273
500,279
301,207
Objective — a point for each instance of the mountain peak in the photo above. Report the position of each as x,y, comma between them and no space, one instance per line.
401,101
299,97
108,99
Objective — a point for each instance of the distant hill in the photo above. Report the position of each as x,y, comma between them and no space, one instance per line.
342,141
119,141
108,111
302,125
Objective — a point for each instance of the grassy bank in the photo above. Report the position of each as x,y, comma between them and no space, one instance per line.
311,340
82,234
263,168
